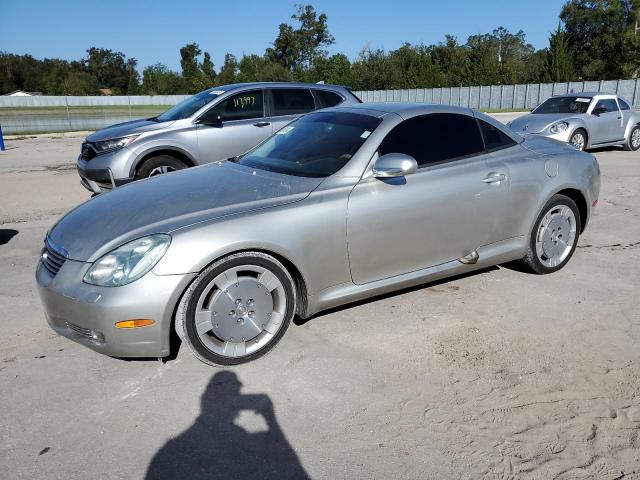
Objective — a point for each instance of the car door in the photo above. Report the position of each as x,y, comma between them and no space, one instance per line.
607,122
287,104
241,127
627,113
442,212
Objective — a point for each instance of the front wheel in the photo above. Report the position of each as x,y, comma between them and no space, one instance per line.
237,309
159,166
579,139
633,143
554,236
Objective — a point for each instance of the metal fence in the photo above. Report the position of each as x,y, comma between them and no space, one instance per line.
503,97
46,114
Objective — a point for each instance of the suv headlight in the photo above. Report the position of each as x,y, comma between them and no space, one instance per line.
129,262
558,127
113,143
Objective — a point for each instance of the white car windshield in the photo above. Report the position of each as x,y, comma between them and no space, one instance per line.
564,105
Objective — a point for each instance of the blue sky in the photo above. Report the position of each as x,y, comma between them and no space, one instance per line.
153,31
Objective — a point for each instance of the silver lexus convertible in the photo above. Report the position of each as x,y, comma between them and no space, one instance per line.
340,205
585,120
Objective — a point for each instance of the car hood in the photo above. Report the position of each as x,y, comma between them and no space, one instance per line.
165,203
127,128
538,122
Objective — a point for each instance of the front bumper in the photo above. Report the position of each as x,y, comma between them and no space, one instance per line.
105,172
87,313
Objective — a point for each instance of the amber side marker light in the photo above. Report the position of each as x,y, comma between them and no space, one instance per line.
140,322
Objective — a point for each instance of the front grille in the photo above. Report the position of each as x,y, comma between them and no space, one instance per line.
87,151
81,331
52,258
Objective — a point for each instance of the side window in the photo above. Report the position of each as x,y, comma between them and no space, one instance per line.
494,139
435,138
328,99
623,105
608,104
291,101
241,106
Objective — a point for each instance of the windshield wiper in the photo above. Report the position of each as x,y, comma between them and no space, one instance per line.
153,119
234,159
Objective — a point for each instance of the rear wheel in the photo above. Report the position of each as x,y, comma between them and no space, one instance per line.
579,139
554,236
159,166
237,309
633,143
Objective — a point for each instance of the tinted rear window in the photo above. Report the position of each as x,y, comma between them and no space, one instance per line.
623,105
435,138
291,101
494,139
328,99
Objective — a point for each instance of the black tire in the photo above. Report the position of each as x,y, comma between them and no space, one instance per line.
531,260
574,135
186,313
153,164
628,145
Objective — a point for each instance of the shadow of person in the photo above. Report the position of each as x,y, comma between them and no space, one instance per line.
7,234
235,436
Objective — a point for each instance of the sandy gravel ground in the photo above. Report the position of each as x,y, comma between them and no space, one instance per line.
495,375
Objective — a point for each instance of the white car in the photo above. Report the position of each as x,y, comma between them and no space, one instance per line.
585,120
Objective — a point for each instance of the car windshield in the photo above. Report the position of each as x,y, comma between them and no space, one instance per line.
189,106
316,145
564,105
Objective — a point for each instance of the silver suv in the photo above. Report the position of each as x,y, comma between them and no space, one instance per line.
213,125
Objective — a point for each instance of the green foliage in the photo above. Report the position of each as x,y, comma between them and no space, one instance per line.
596,39
559,64
601,36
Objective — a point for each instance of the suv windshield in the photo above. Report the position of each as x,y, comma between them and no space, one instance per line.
316,145
189,106
564,105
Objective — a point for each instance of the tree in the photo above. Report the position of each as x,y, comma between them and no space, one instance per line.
597,33
229,70
559,65
298,48
108,68
159,80
207,69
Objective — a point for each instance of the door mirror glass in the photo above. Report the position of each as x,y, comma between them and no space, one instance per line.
599,111
394,165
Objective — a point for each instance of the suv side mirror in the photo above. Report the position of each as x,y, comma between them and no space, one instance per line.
211,119
394,165
598,111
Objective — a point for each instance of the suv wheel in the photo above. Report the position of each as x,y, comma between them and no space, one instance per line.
158,166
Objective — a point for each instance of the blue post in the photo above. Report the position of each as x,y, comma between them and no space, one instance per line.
1,140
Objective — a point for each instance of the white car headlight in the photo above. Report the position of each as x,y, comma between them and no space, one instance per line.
558,127
114,143
129,262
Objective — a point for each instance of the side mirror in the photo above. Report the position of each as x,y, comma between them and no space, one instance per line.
394,165
598,111
213,120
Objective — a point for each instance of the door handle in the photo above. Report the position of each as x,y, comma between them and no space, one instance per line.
261,124
494,177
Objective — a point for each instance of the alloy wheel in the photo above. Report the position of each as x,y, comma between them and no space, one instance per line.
240,311
556,236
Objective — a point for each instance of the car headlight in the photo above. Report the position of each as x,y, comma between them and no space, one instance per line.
114,143
129,262
558,127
